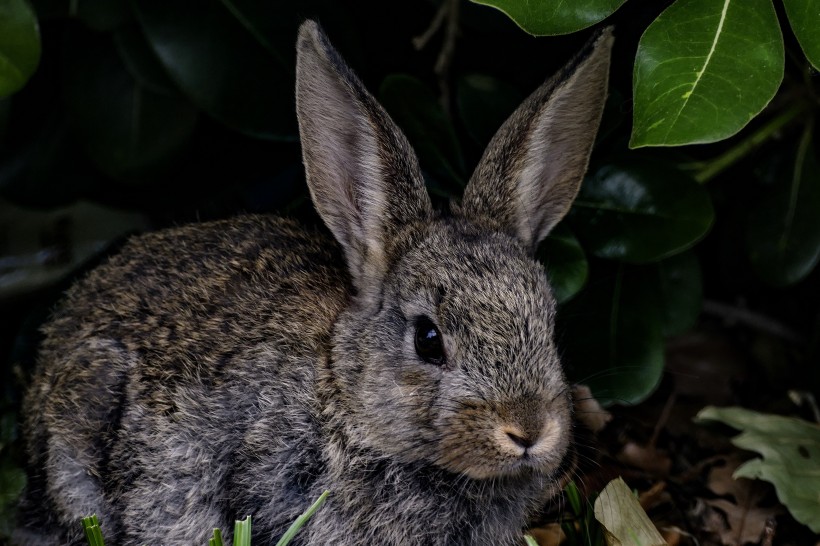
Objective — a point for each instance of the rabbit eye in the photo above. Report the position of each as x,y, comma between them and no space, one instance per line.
428,342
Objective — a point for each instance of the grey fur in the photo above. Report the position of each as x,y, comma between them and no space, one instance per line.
239,367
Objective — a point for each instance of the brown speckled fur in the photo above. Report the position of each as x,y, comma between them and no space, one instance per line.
242,367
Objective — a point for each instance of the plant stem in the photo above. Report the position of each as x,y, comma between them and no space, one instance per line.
749,144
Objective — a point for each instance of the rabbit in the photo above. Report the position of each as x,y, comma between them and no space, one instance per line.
406,363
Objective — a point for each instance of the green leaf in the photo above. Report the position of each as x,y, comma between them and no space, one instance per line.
141,62
19,45
566,263
225,64
704,68
548,17
125,127
574,498
12,482
624,521
679,292
612,338
484,103
640,211
416,110
804,17
101,15
783,229
791,456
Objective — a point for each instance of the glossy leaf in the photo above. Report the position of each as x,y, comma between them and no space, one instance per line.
484,103
677,287
640,211
19,45
804,18
548,17
141,62
612,339
783,230
566,263
125,127
704,69
224,64
45,246
101,15
415,108
791,456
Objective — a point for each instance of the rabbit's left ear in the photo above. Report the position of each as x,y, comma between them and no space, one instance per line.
362,174
532,169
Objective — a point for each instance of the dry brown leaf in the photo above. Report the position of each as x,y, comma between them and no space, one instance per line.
704,366
740,524
588,411
740,521
548,535
672,535
653,496
622,518
653,461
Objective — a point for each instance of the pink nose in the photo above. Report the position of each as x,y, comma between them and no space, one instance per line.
522,441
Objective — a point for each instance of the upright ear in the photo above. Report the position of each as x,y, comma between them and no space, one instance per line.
532,169
363,176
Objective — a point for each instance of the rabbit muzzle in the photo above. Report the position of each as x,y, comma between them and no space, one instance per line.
484,440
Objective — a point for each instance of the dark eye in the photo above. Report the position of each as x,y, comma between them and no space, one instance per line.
428,342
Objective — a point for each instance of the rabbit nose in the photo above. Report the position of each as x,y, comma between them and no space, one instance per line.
523,441
515,440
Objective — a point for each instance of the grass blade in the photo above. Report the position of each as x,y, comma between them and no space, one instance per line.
301,520
242,532
216,539
91,526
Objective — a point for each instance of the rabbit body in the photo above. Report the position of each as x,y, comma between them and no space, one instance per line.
244,366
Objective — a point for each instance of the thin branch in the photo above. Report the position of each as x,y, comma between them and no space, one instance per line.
420,42
449,11
752,319
714,167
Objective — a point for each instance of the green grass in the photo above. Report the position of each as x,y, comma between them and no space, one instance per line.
241,530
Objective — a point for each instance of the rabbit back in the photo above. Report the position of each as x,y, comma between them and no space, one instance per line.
168,353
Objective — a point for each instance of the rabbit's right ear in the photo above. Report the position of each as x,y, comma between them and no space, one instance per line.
363,176
532,169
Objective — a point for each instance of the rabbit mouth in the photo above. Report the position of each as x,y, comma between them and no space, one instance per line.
506,455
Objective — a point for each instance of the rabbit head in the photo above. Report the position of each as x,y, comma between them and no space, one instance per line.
445,355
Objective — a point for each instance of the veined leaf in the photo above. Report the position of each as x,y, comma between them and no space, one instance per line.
640,212
677,282
566,263
804,17
19,45
612,337
224,64
548,17
125,127
783,230
704,69
625,522
791,457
